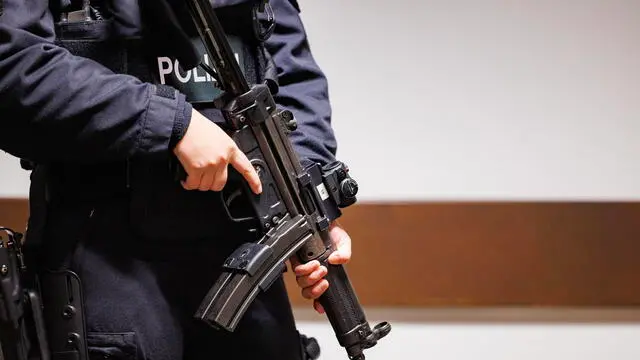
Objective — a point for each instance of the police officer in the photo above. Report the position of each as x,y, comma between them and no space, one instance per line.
103,97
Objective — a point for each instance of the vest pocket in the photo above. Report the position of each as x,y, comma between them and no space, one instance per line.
115,346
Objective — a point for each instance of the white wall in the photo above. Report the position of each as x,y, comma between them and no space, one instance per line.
495,334
497,99
486,99
477,99
14,182
424,341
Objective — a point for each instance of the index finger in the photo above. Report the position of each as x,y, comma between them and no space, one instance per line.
242,164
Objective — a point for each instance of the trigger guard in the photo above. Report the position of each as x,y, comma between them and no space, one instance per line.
226,203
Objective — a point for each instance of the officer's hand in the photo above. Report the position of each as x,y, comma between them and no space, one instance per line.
310,276
205,151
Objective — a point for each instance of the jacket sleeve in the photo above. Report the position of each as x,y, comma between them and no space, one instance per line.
303,87
55,106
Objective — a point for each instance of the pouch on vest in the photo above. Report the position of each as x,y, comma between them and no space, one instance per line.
90,33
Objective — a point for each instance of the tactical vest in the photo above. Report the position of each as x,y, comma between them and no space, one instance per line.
157,43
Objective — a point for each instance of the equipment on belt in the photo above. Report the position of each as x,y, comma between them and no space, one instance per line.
292,214
41,316
16,303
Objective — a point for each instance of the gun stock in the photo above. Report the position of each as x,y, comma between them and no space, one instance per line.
293,212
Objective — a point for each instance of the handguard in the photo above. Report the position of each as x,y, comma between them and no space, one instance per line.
293,212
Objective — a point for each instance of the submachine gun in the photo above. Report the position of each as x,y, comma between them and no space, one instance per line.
293,212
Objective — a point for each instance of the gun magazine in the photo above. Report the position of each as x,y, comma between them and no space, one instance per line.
252,268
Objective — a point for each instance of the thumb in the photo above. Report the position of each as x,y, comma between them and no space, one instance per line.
342,255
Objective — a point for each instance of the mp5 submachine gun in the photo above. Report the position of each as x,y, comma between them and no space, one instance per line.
294,210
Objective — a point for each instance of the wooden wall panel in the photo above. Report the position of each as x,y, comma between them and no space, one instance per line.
482,253
14,213
495,254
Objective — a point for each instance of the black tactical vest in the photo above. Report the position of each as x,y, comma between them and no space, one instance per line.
149,40
155,41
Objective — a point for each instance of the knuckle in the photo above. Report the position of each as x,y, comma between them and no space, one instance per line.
219,182
232,150
214,161
200,165
316,276
223,158
317,292
211,162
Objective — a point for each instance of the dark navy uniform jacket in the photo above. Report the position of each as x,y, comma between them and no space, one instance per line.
57,107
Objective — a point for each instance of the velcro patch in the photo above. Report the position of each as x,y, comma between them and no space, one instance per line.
197,85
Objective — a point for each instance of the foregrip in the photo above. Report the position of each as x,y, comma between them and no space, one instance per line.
342,306
346,315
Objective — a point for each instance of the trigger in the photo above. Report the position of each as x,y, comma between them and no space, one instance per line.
232,197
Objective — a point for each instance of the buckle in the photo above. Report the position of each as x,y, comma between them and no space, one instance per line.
263,28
